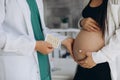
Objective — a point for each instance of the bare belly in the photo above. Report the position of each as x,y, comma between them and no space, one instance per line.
88,41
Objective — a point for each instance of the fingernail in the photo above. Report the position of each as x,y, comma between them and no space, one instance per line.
80,50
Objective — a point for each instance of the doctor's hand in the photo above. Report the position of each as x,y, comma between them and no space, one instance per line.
89,24
43,47
68,44
88,62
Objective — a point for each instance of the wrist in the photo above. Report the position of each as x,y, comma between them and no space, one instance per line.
65,41
36,46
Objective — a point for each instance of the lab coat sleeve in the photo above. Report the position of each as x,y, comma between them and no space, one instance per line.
110,51
10,42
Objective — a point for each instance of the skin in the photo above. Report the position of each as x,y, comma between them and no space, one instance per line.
46,48
68,44
90,25
43,47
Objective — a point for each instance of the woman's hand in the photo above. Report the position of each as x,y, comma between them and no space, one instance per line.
88,62
89,24
43,47
68,44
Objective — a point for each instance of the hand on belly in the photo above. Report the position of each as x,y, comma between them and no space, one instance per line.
87,41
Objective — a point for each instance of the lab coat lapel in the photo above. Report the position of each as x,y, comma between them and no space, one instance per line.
26,13
109,22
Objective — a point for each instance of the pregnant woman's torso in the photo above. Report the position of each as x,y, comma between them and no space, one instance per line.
90,41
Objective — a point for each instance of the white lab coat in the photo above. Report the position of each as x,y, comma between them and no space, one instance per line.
111,51
18,59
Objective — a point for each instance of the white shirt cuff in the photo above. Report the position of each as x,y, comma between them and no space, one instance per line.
99,57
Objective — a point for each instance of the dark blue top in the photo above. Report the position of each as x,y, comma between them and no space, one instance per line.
97,13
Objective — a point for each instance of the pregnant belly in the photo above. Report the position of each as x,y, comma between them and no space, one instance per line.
88,41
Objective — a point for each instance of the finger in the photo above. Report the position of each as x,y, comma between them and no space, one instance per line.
96,27
95,24
81,61
50,48
49,45
93,21
84,65
93,27
89,66
90,28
